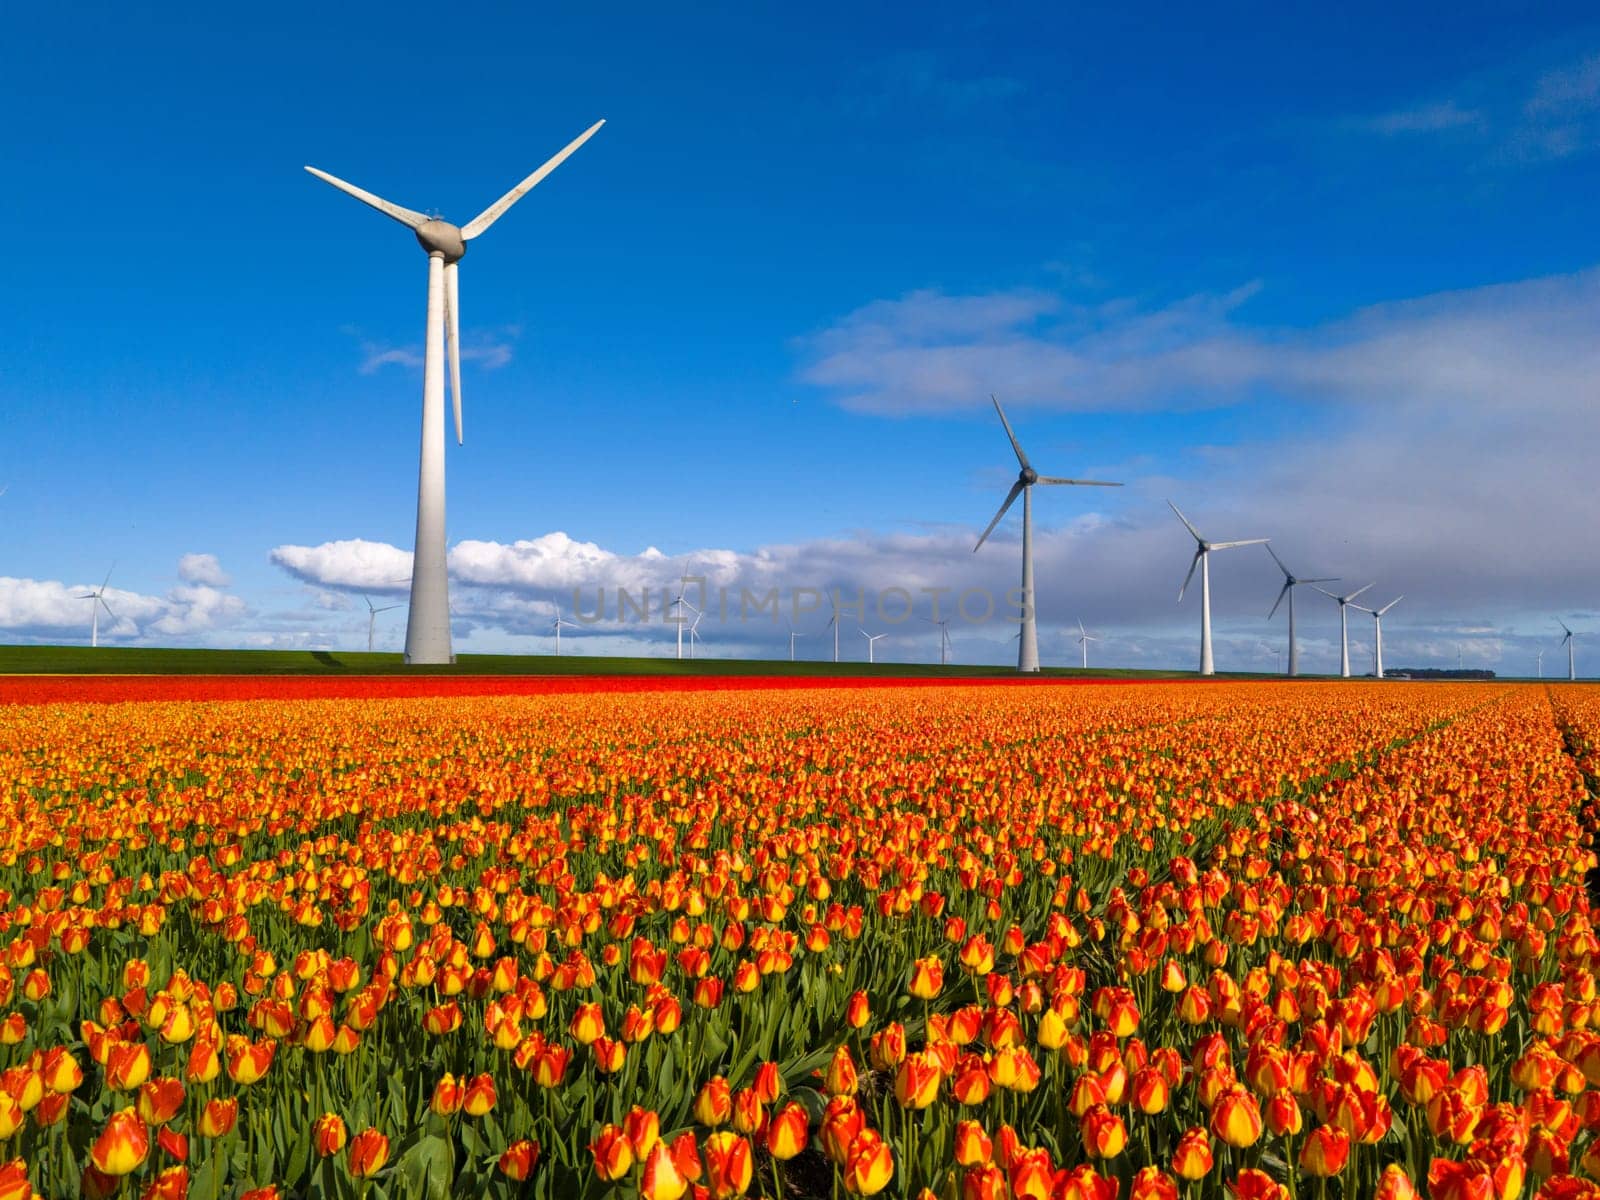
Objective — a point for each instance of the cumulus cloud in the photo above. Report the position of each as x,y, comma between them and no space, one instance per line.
47,609
203,569
354,563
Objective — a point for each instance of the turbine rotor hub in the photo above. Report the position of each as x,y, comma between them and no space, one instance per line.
442,238
1027,476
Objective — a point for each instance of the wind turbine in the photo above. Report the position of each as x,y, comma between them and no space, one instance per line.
1344,626
98,596
944,639
833,624
872,640
1539,663
1084,638
1570,642
1028,644
682,602
1377,627
792,636
1290,582
428,623
372,618
694,632
1202,559
557,625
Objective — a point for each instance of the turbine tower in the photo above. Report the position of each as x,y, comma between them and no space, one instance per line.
793,637
944,639
1377,629
681,601
1202,559
98,596
558,625
872,640
833,624
1290,582
1084,638
1028,643
1344,626
372,618
428,623
1538,660
1570,642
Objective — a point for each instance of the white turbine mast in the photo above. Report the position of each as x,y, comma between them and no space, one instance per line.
694,633
944,639
558,625
1028,642
872,641
1377,631
372,618
98,601
833,623
1290,582
1084,638
428,623
1538,660
1202,559
681,602
1344,626
1570,642
793,636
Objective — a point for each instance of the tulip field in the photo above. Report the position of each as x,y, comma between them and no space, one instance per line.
1158,940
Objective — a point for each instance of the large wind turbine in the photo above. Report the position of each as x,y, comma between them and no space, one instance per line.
98,596
428,623
681,601
1202,559
1028,643
1344,626
944,639
1377,629
372,618
558,625
1570,642
1290,582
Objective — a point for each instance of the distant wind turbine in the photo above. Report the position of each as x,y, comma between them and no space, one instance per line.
558,625
1202,559
1377,630
1539,663
1344,626
833,624
1570,642
1084,638
1290,582
372,618
1028,644
792,637
98,598
872,640
681,602
694,633
944,639
428,623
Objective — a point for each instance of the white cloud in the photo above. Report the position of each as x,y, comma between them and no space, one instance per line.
49,609
202,568
1427,118
491,350
353,563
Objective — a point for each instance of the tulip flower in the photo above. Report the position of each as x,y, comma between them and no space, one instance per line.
1192,1159
368,1151
123,1144
1325,1152
1104,1135
643,1128
927,977
613,1153
661,1179
869,1165
1236,1118
519,1158
729,1164
329,1134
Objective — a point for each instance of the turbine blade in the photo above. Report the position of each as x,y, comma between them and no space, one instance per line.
1081,629
452,337
1015,445
1282,592
1391,604
1327,579
1054,479
1358,592
1243,542
1193,563
1185,521
107,579
1325,592
497,210
107,607
1011,496
1281,567
411,220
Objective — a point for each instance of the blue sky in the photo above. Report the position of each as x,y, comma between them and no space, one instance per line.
1324,276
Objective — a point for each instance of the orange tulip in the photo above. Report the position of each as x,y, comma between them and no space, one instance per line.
1192,1159
519,1158
916,1082
127,1066
1236,1118
1326,1150
480,1096
713,1104
329,1134
661,1179
972,1144
729,1164
643,1128
613,1153
927,977
1104,1135
218,1117
123,1144
869,1165
159,1100
369,1150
